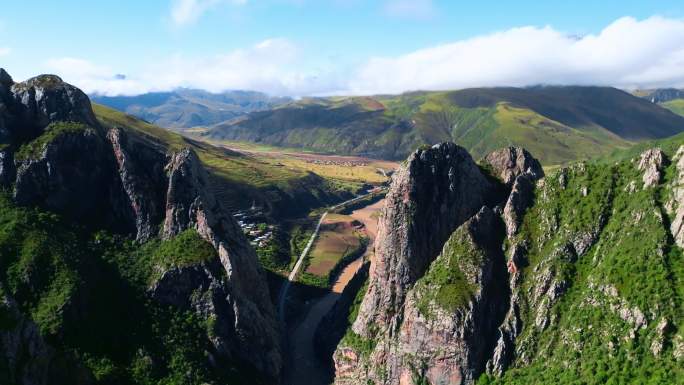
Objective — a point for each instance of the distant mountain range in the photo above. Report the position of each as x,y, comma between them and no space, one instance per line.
558,124
661,95
187,108
670,98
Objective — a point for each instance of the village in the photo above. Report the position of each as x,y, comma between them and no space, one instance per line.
252,222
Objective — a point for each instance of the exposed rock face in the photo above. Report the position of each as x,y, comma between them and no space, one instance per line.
23,341
651,163
437,190
28,107
511,327
436,199
189,204
143,186
71,175
520,198
675,206
590,271
518,170
511,162
508,314
239,330
443,342
448,346
7,169
5,78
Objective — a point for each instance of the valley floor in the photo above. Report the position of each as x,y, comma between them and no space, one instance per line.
304,367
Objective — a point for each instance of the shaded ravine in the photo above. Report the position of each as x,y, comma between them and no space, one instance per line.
304,365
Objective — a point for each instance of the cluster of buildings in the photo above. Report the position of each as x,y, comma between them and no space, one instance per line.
252,223
347,163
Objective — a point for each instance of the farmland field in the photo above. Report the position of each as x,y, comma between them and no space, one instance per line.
338,237
352,169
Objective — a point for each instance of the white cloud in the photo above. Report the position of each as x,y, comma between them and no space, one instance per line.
271,66
414,9
185,12
4,51
94,78
627,53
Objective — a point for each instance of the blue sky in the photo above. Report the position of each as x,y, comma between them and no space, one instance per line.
302,47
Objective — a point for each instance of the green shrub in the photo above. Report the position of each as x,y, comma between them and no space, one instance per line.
33,148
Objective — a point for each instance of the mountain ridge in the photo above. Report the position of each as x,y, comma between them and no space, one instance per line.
99,221
185,108
558,123
572,276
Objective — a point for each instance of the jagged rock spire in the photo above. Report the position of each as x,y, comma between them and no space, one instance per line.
5,78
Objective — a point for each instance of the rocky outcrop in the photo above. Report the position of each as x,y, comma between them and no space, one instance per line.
5,78
519,200
70,175
189,204
28,107
663,95
510,162
450,345
143,186
435,192
436,206
592,270
651,163
675,206
449,319
7,169
27,355
518,170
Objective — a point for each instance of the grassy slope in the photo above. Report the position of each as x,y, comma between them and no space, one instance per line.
559,124
484,129
668,145
676,106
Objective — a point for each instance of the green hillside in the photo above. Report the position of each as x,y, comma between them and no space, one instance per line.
633,267
240,180
558,124
676,106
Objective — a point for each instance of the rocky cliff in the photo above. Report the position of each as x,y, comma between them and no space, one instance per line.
439,189
54,155
567,276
